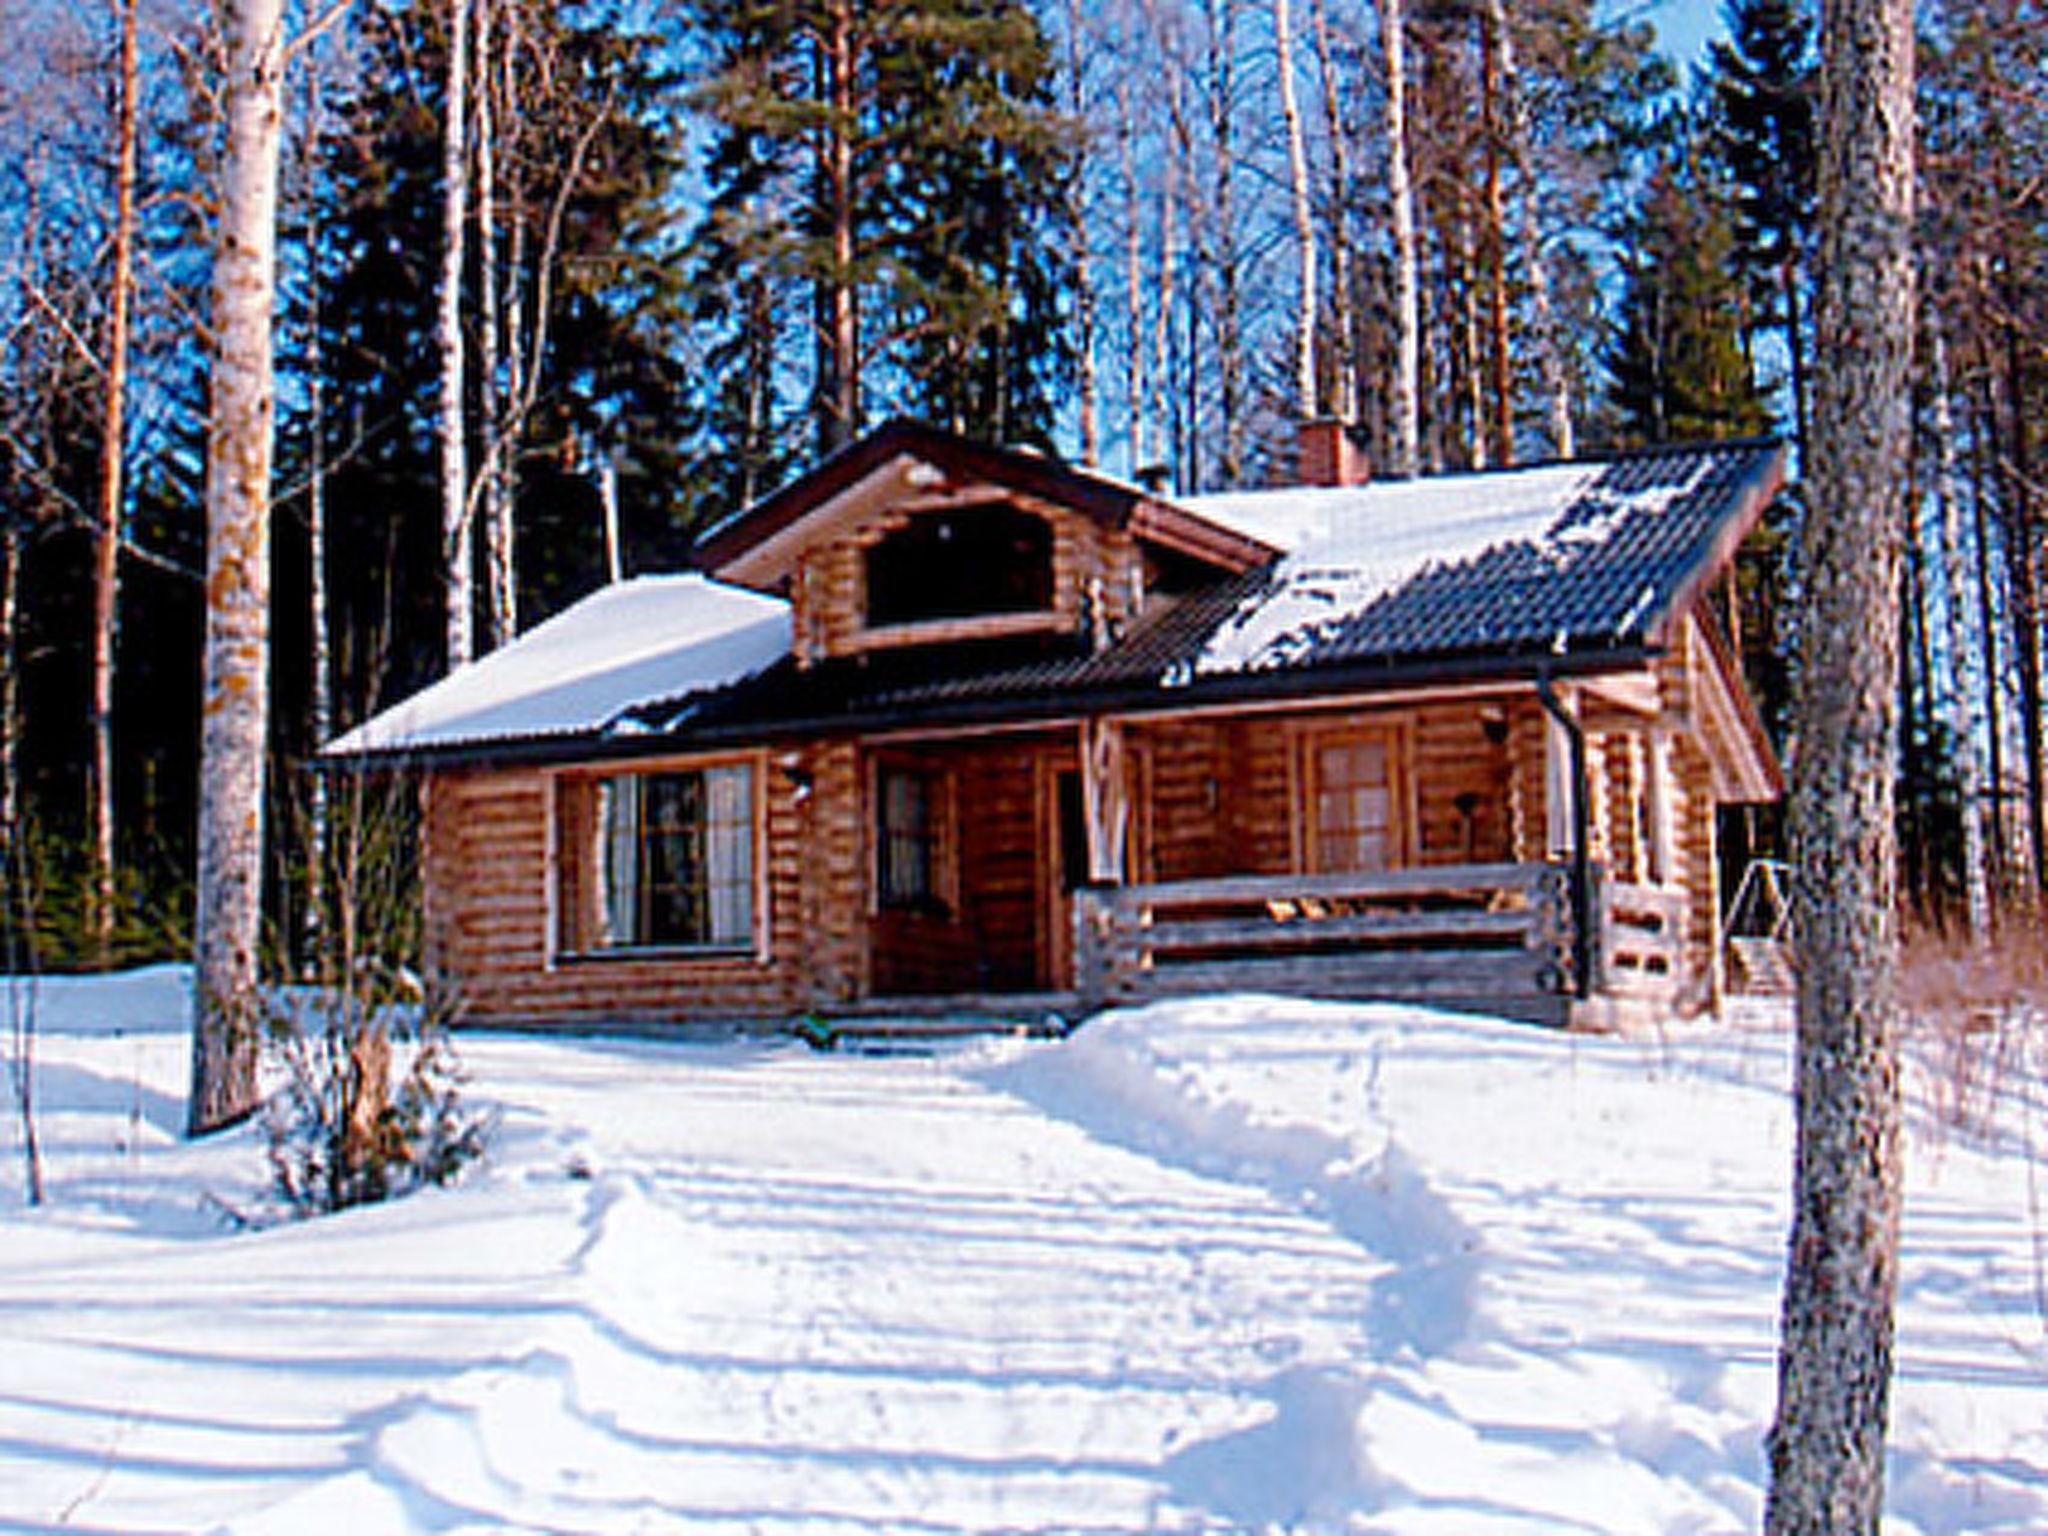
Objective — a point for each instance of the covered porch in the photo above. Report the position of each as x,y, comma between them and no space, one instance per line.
1484,850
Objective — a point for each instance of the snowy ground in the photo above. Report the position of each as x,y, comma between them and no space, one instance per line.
1231,1265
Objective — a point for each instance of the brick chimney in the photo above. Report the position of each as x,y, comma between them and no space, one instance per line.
1326,454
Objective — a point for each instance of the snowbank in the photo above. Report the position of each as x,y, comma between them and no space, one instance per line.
1232,1264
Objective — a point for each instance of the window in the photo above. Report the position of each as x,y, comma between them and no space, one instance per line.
907,838
961,564
1351,780
675,860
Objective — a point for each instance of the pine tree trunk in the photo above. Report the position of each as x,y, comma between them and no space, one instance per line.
1078,254
1835,1359
1963,720
1304,216
1533,265
839,337
1406,383
235,707
1499,427
458,558
10,687
106,569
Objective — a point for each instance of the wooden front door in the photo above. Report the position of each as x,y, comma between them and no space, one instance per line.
1353,800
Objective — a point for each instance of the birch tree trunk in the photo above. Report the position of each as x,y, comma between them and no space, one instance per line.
458,558
1223,248
1835,1354
235,708
1135,385
1406,402
1345,381
1304,218
106,554
320,709
501,580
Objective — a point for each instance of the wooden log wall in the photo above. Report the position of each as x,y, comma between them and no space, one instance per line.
501,921
1097,578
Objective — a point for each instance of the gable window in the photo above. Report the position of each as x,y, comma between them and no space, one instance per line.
961,564
908,808
670,861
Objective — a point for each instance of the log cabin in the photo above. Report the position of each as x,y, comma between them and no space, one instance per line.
943,726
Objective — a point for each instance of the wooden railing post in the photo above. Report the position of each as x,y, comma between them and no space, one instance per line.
1091,918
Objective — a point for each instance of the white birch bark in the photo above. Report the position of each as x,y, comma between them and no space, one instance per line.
1135,385
501,589
1304,216
235,698
457,556
1835,1354
320,709
106,581
1345,370
1406,412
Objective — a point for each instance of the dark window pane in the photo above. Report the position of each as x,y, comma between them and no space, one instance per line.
961,564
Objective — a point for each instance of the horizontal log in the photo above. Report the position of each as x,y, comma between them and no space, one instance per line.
1424,880
1327,982
1409,973
1381,927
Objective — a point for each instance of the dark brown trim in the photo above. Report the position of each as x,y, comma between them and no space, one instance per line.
1108,502
1749,511
1133,699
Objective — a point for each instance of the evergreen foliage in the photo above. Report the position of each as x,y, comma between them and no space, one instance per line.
883,225
1676,362
586,178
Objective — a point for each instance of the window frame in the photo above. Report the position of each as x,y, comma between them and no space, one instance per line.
941,897
578,872
1309,742
891,627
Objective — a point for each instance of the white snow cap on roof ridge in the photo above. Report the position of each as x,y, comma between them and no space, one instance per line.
633,643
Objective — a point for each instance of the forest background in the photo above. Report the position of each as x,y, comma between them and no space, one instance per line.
561,285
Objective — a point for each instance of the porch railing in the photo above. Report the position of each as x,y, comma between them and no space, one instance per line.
1493,936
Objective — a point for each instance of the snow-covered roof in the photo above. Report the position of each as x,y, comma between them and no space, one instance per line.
1550,553
625,646
1412,518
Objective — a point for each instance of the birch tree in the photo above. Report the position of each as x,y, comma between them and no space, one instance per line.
457,555
235,690
1835,1354
1405,386
113,463
1304,217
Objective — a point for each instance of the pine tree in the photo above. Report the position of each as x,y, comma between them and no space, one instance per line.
899,171
1835,1355
591,347
1763,85
1676,361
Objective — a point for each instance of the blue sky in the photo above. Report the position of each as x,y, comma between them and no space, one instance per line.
1683,26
